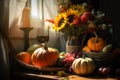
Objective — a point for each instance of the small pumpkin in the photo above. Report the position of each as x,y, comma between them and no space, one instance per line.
96,43
44,57
24,57
86,49
83,66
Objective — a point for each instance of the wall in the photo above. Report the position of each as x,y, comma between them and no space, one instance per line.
18,43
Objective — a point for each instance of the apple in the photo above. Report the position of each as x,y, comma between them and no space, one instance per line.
76,20
87,16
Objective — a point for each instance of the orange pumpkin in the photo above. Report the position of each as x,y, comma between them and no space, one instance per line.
86,49
24,57
96,43
44,57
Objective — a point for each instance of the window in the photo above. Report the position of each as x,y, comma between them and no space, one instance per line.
40,11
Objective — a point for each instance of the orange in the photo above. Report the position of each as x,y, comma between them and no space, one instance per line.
86,49
24,57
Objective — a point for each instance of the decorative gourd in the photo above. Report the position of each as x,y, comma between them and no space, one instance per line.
33,47
24,57
86,49
96,43
44,57
107,48
62,54
83,66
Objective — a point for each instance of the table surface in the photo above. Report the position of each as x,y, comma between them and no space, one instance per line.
68,77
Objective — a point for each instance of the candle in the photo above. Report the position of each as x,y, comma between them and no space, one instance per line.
26,17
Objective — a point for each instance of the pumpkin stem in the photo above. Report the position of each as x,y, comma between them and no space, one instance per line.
45,46
96,36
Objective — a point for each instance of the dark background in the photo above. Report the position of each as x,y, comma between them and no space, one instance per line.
111,8
112,11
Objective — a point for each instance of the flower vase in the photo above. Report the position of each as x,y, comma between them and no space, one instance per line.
72,44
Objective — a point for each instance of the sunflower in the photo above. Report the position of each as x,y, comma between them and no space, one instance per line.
80,8
60,21
69,22
76,7
71,13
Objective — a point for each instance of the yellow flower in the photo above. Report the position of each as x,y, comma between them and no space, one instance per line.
69,22
79,8
71,13
60,21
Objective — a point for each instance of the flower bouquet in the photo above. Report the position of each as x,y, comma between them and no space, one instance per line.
92,29
81,19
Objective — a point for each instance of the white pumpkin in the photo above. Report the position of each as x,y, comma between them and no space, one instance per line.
107,48
83,66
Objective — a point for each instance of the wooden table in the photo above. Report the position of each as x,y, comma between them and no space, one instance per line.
31,76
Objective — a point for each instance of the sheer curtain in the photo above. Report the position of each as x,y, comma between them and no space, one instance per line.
41,10
16,8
